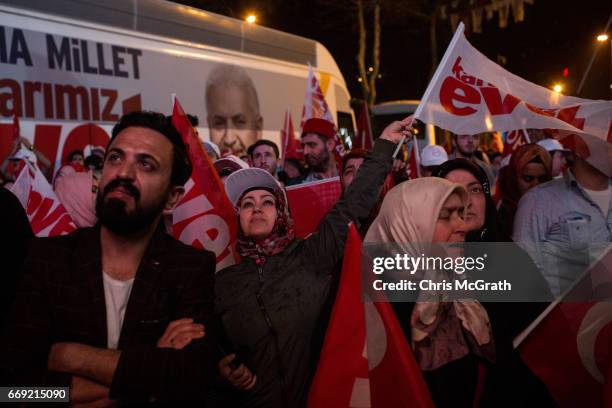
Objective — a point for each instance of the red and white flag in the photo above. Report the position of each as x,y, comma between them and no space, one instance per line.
204,218
569,347
513,139
470,94
366,360
364,138
415,160
312,201
290,145
315,106
47,215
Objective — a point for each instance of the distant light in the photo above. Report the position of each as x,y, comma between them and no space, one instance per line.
370,69
565,72
360,79
558,88
602,37
251,19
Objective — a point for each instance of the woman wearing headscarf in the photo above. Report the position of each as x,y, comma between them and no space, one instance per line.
271,302
480,215
450,339
463,347
529,166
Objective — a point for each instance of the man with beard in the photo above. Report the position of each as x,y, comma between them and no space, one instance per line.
318,142
117,312
264,155
466,147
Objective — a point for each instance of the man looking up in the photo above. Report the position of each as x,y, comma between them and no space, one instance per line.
318,144
264,155
99,309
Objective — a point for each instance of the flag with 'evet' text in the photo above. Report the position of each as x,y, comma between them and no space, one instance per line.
470,94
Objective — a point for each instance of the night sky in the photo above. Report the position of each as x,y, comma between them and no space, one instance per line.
553,36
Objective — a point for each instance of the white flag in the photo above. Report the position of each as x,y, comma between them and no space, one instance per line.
315,105
46,214
470,94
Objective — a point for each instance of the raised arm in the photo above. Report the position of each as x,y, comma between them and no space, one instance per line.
359,198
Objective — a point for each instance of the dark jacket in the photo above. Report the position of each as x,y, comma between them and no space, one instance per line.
61,299
18,234
270,313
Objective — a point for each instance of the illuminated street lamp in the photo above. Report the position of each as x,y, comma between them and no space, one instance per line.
602,37
251,19
557,88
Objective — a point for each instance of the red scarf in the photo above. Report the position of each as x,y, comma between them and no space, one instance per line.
281,236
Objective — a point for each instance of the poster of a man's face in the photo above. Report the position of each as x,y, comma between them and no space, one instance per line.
232,109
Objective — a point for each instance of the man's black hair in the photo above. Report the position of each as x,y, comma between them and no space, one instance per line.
74,153
181,165
260,142
94,161
193,119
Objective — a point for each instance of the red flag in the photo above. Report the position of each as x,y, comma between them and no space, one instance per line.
415,161
570,347
365,361
290,146
364,138
312,201
204,218
513,140
16,130
47,215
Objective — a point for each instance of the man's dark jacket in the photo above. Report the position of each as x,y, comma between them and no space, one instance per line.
271,312
61,299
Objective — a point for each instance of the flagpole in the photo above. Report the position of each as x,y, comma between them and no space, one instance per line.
417,155
286,141
526,135
439,70
436,75
370,133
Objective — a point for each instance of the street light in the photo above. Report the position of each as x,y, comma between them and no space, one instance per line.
557,88
601,38
251,19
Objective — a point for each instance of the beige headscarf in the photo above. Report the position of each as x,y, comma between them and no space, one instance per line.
410,211
441,331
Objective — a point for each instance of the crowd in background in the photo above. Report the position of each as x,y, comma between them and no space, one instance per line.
273,306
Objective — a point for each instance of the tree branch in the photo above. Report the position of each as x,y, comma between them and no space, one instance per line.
375,53
362,50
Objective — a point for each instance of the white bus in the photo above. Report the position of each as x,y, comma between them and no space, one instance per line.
71,68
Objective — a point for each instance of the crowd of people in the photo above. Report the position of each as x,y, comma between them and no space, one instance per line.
121,312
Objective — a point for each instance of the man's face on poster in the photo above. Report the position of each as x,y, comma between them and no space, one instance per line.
233,122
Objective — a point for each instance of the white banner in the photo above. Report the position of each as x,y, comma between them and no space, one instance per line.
470,94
